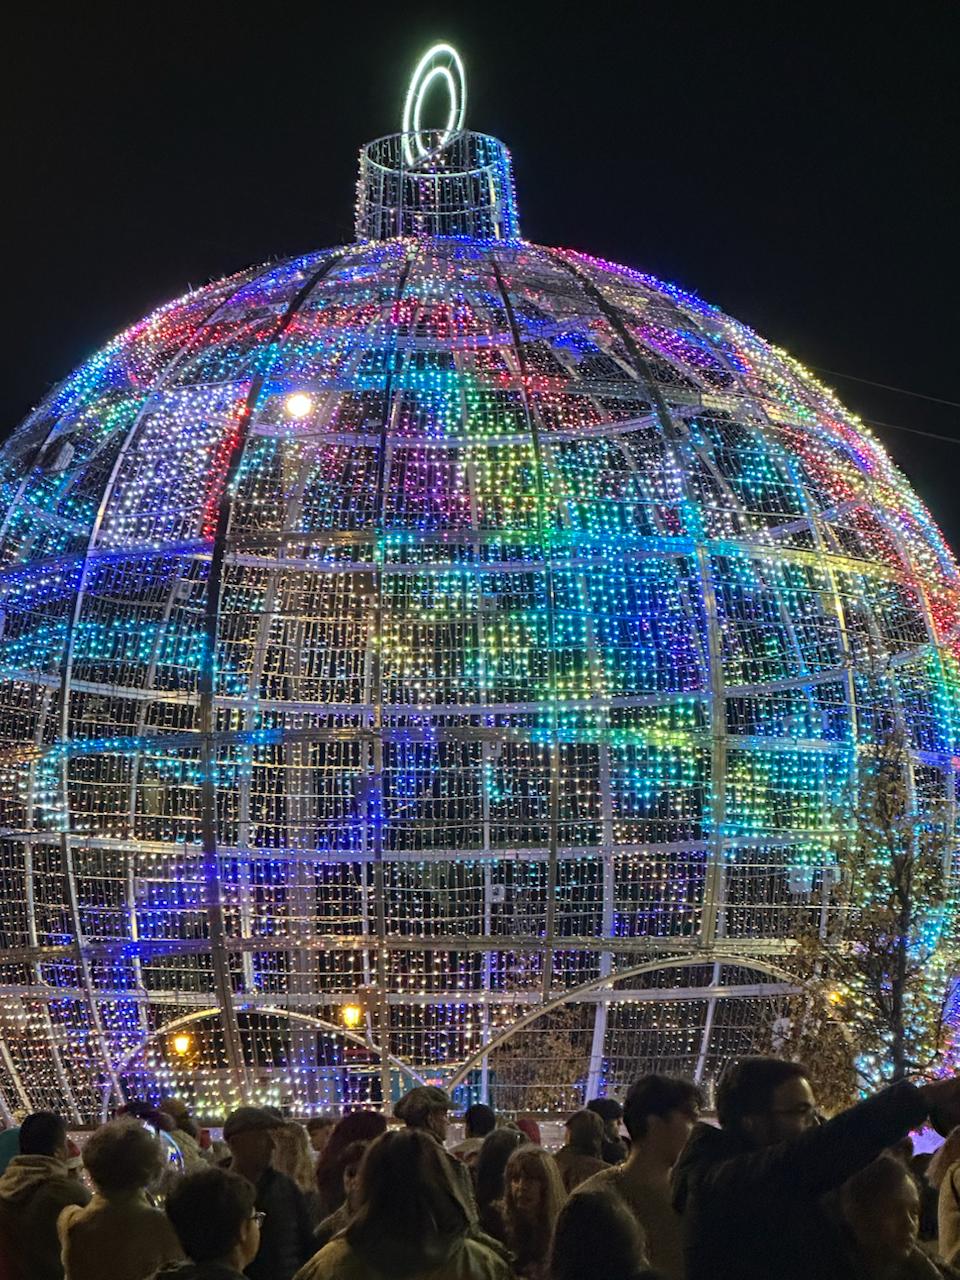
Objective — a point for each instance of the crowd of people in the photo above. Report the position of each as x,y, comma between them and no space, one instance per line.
642,1190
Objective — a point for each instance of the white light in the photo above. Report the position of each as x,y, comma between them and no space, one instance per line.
298,405
443,62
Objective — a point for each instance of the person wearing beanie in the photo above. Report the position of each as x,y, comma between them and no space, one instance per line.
478,1121
530,1129
613,1149
579,1157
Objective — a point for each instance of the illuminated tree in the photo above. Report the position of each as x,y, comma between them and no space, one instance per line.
876,972
892,972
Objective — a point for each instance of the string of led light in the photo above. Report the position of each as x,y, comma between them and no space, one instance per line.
821,557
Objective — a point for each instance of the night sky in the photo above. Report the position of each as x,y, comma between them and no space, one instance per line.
795,164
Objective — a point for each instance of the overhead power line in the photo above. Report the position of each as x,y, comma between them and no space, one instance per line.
886,386
897,426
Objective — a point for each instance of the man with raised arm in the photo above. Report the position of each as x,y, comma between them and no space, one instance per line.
751,1191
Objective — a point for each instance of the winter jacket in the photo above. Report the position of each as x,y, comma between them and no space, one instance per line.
756,1214
467,1260
467,1150
286,1237
199,1271
331,1226
127,1229
33,1192
948,1214
576,1167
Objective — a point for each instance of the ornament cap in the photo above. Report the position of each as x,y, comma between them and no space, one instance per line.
444,181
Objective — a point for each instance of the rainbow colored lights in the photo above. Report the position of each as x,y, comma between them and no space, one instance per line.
432,626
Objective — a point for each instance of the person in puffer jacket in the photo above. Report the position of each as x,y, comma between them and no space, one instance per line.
35,1188
216,1221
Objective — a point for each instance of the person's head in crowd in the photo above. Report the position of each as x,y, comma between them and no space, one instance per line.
585,1133
613,1149
292,1155
597,1235
533,1196
351,1161
356,1126
659,1112
179,1113
765,1100
497,1149
213,1214
610,1112
881,1206
479,1120
44,1134
319,1131
425,1107
122,1157
250,1133
411,1217
529,1127
159,1120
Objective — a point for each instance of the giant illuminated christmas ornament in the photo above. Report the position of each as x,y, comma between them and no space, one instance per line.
434,645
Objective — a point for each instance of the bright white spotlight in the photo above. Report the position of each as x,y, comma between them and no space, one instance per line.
298,405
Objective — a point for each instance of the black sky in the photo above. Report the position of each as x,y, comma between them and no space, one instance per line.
794,163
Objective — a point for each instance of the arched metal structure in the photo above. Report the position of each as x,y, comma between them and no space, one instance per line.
180,1073
597,1058
443,622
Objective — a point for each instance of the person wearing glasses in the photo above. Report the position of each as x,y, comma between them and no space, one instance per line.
217,1223
287,1238
752,1191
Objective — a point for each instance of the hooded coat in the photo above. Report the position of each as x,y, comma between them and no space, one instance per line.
459,1259
757,1213
126,1229
577,1166
199,1271
34,1190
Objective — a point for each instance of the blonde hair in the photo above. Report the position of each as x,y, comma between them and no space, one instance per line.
291,1155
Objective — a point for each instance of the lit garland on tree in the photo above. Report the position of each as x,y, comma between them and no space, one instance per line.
892,972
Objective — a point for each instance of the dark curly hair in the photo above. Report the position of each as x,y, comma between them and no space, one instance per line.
208,1210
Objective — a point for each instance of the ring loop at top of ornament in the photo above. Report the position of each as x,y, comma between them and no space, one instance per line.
441,62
